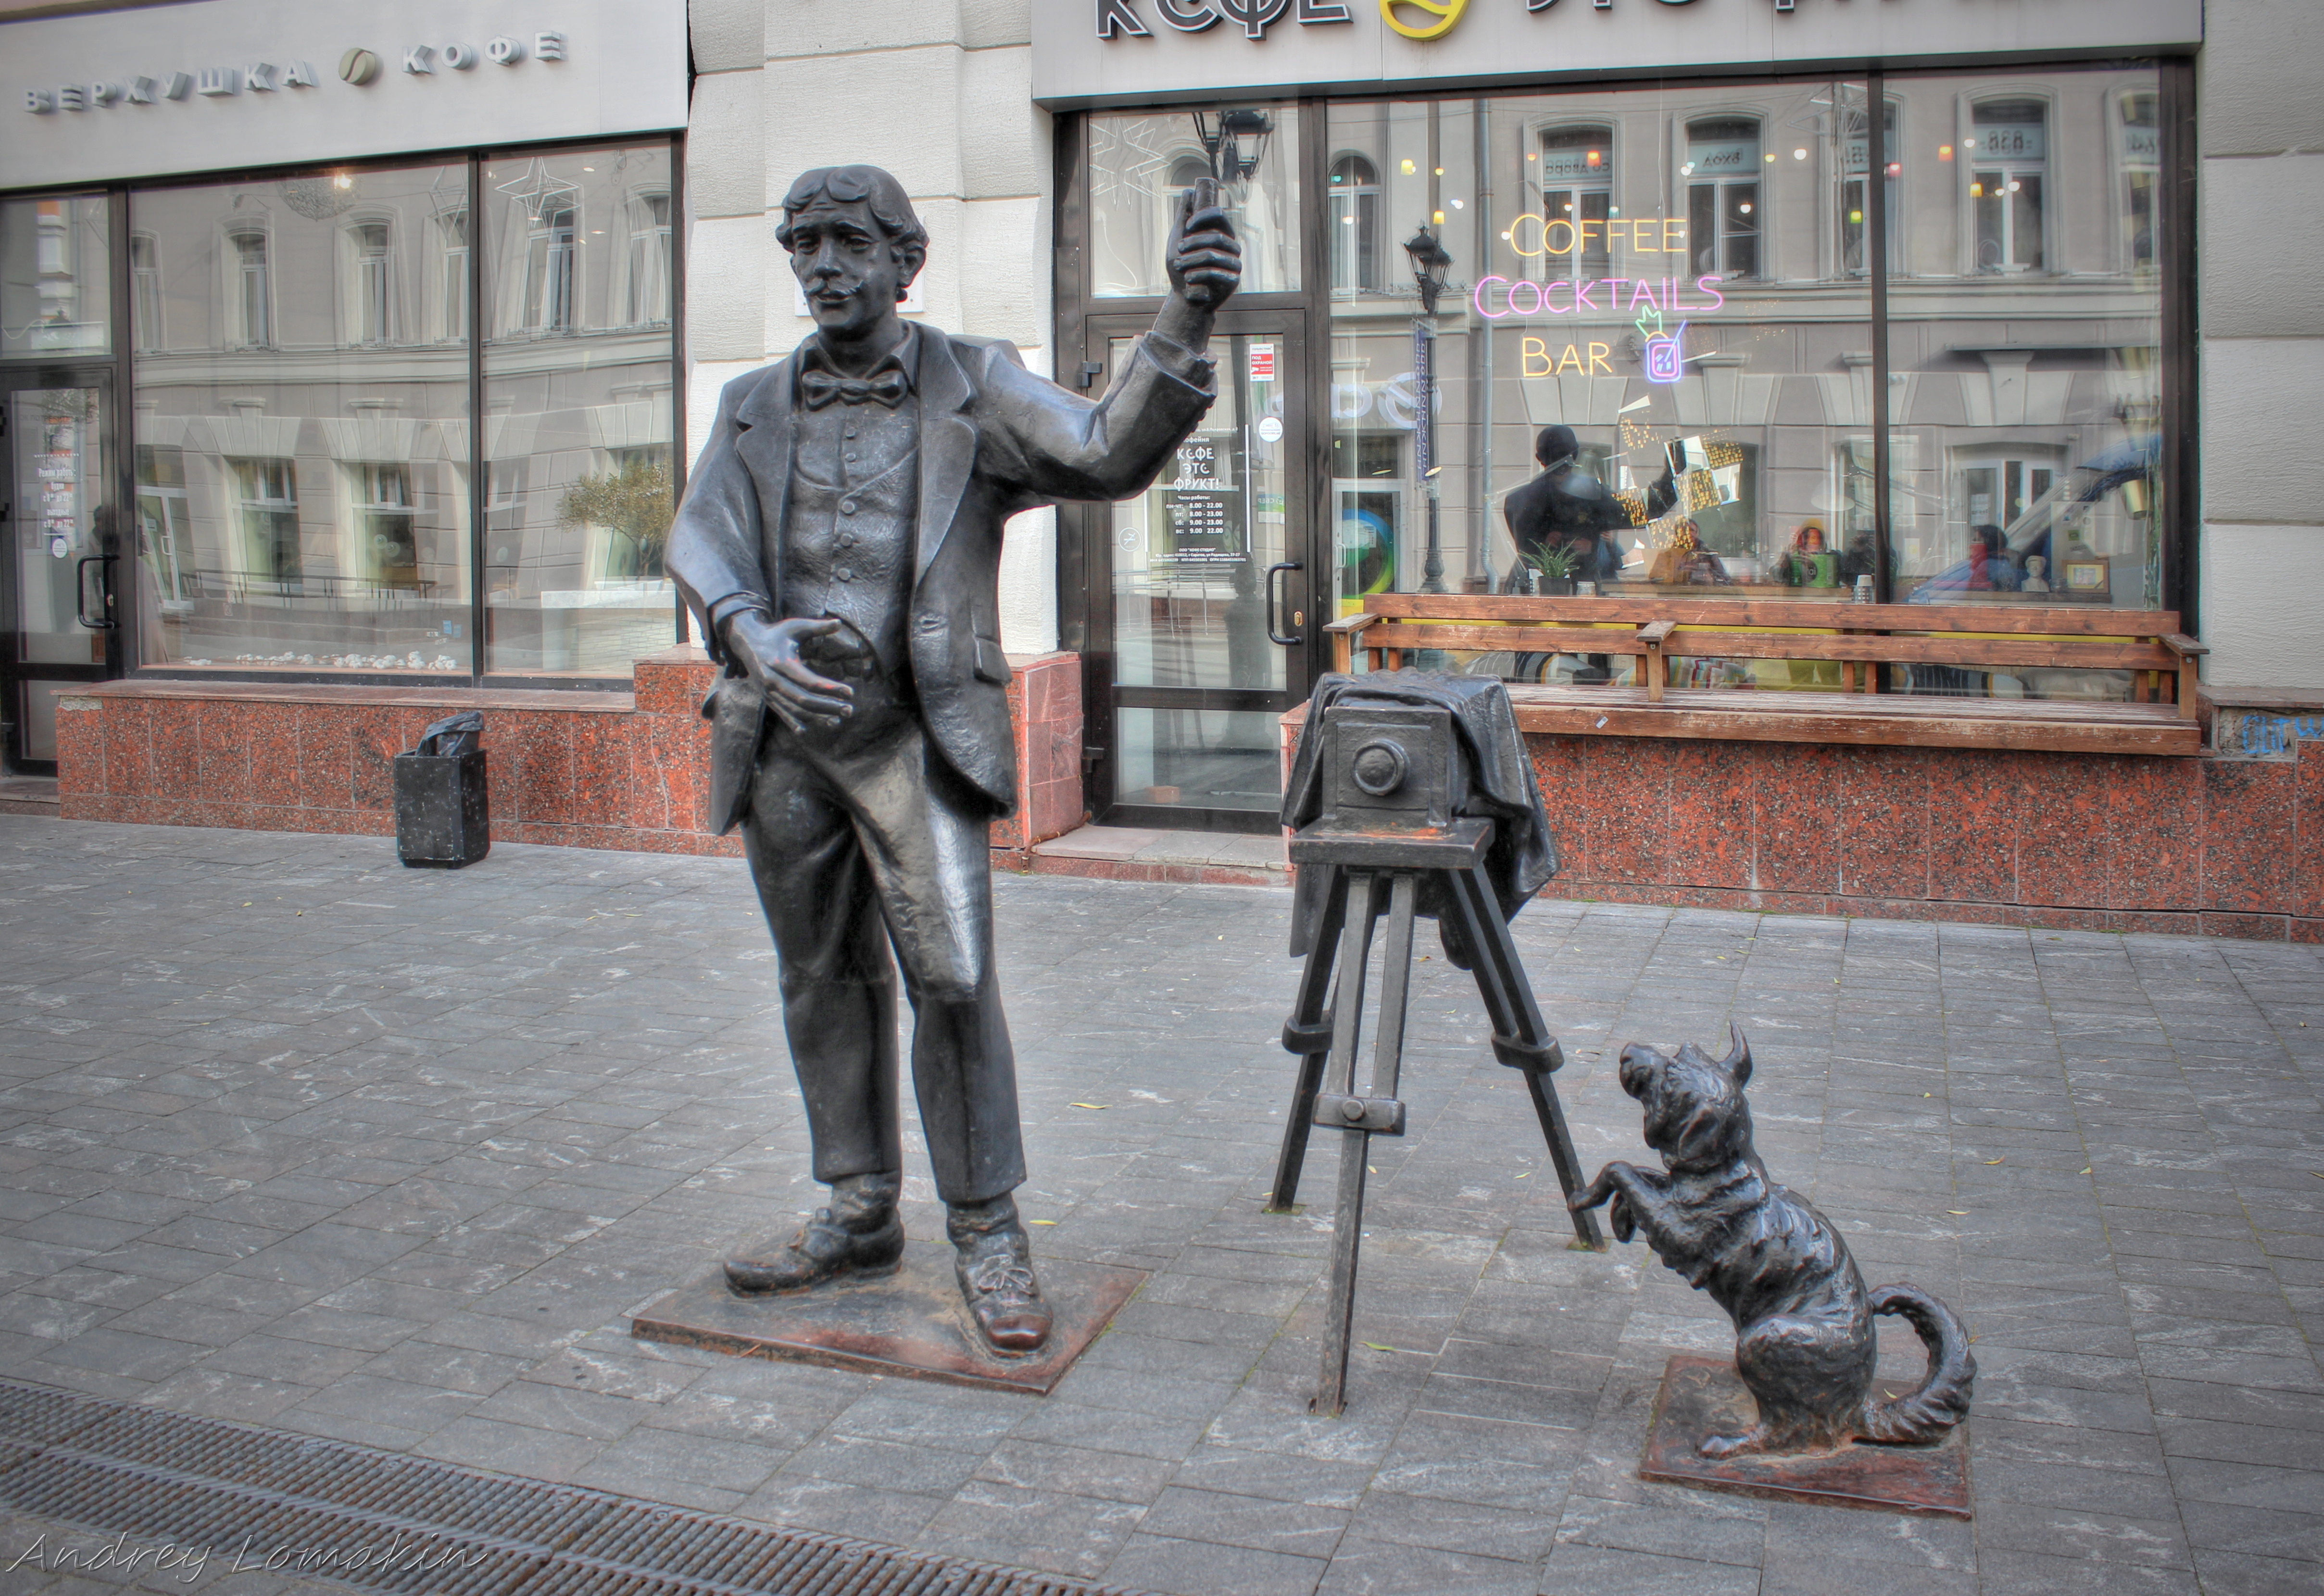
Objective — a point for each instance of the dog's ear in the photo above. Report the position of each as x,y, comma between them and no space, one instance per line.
1737,1061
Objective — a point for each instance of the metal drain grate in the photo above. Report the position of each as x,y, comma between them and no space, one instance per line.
421,1526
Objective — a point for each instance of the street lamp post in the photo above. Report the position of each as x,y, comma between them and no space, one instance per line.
1235,140
1429,262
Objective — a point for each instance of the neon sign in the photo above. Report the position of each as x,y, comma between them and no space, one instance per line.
1534,354
1667,357
1645,235
1657,296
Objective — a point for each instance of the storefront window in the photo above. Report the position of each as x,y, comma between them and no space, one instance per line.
578,418
2027,443
1644,379
1139,165
300,452
53,261
304,450
1650,382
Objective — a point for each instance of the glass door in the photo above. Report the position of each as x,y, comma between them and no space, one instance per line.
59,521
1200,594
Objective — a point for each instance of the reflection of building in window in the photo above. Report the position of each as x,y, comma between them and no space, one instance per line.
452,275
1857,499
2142,161
1722,195
164,525
550,264
386,526
1855,197
368,302
504,485
268,518
1577,188
1355,201
146,292
1995,487
649,268
2009,149
250,292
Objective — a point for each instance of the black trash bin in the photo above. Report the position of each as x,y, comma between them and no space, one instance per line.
441,822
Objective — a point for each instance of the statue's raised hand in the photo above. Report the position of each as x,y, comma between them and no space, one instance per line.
1205,260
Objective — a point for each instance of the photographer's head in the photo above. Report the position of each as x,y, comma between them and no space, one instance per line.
856,246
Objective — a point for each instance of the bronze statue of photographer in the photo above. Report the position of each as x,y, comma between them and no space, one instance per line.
840,540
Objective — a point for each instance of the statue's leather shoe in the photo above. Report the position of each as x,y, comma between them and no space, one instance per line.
993,1262
859,1234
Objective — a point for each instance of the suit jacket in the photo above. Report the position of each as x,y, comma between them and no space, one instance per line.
995,439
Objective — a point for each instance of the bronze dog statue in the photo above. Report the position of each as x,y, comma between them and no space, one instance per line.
1804,1342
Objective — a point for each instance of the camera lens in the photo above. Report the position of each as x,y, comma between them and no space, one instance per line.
1379,768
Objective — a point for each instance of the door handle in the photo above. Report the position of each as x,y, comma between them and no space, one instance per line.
104,623
1273,608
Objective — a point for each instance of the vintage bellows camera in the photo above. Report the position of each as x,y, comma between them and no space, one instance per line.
1389,768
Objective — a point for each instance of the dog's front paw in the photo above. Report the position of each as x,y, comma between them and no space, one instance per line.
1621,1219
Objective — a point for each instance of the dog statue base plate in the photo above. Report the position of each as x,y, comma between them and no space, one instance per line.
1705,1396
911,1323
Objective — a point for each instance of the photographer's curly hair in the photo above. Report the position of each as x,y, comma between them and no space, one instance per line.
883,196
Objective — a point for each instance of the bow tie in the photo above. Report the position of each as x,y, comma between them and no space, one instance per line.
820,388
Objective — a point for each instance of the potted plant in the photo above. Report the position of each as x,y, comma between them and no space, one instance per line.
1555,570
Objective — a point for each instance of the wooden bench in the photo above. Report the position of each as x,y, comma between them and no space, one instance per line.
2161,718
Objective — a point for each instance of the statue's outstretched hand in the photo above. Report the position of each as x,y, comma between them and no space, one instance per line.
770,653
1205,257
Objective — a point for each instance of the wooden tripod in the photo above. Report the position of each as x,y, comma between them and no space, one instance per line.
1368,877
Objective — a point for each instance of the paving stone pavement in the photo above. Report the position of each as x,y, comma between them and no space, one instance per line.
289,1134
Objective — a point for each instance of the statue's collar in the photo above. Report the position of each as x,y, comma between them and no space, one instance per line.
815,356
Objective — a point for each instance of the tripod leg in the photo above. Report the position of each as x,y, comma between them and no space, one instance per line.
1508,998
1348,1219
1395,985
1307,1015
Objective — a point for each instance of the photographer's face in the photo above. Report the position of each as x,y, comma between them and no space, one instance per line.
844,263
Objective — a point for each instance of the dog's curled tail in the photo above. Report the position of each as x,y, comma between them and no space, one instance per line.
1943,1400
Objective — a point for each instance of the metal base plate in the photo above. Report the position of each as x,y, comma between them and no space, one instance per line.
1703,1397
911,1323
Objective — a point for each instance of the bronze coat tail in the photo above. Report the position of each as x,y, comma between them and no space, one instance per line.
1943,1400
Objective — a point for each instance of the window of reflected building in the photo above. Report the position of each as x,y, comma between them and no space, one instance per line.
55,254
1139,166
308,492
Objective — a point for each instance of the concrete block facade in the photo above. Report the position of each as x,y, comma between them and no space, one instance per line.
2261,189
941,96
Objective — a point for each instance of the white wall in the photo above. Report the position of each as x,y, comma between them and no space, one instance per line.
939,92
2262,192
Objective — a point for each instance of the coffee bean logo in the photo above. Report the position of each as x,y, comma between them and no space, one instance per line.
359,66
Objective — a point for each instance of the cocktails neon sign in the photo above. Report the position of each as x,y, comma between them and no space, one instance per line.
1661,296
